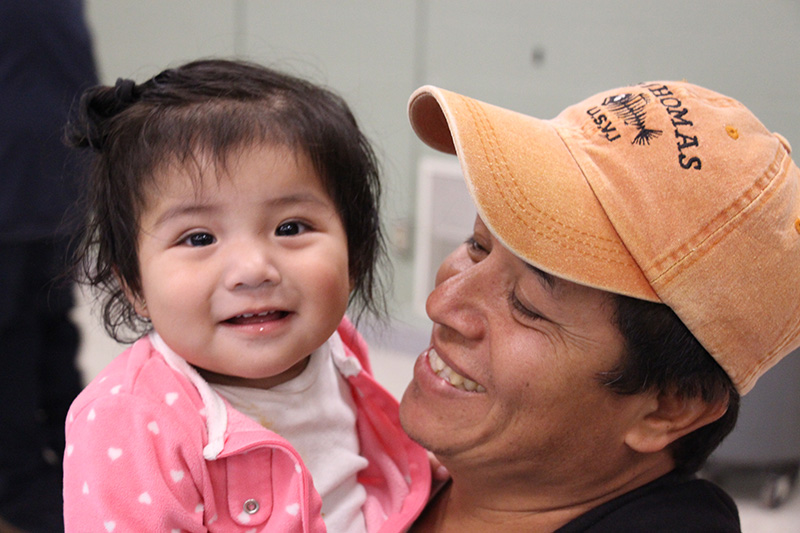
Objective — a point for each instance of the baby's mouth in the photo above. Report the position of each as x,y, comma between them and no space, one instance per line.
451,376
246,319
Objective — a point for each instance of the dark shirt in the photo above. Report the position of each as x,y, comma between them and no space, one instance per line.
675,503
46,60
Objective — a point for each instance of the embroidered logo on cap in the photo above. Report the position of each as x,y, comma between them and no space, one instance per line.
687,142
630,109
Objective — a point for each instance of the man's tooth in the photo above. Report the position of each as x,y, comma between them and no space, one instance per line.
436,362
451,376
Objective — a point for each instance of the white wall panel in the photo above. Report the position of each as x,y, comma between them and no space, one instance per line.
140,38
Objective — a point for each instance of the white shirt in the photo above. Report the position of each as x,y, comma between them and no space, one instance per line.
315,413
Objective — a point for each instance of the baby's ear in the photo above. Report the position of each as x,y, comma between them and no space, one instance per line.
672,417
138,302
140,306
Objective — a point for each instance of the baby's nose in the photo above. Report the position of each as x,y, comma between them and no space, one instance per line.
251,265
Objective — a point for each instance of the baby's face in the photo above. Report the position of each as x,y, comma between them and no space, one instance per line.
245,270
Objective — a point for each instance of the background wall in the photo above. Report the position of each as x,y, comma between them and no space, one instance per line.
535,56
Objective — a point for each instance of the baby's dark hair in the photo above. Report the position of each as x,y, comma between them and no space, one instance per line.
213,107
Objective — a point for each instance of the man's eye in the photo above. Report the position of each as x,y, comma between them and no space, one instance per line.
200,239
475,248
293,227
524,310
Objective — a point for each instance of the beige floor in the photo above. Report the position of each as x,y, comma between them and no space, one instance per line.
394,368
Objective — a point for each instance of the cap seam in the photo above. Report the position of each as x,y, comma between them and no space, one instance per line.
768,360
674,263
557,227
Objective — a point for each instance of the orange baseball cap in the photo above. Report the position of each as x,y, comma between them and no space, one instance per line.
663,191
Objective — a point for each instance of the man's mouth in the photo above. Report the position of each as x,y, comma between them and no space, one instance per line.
451,376
246,319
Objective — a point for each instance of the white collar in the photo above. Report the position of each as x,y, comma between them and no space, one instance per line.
215,409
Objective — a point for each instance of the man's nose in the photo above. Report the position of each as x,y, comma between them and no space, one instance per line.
458,301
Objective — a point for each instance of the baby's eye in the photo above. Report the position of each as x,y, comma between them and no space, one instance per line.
200,239
292,227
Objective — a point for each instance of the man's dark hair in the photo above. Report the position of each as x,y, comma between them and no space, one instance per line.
661,354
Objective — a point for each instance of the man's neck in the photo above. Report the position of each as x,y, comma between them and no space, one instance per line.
469,505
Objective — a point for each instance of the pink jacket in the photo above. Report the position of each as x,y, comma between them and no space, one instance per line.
139,456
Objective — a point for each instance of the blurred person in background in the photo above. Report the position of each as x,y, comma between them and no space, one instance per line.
46,60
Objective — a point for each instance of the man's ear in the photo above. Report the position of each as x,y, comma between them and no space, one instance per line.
670,418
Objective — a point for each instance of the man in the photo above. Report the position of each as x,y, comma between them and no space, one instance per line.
632,271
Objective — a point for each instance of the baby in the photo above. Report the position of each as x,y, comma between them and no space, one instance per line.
232,217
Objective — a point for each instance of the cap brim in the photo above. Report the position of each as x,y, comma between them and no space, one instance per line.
529,190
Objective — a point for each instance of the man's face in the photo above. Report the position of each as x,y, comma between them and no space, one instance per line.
509,385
